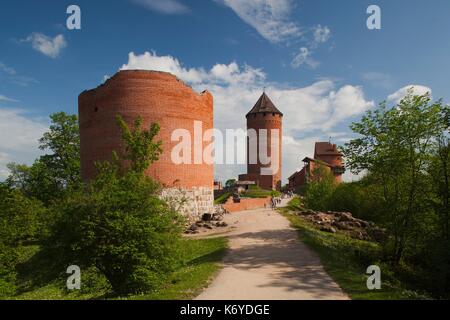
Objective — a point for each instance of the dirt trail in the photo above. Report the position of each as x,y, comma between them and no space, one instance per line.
266,260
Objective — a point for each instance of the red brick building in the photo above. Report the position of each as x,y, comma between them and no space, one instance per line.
156,97
264,116
327,157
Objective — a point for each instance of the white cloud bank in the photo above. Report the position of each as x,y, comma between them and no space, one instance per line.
270,18
51,47
401,93
310,113
19,138
220,73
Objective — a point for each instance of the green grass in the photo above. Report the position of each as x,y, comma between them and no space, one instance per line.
346,259
257,192
202,258
295,204
222,198
186,283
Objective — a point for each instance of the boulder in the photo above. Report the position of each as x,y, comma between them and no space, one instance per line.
207,217
328,229
344,216
207,226
221,224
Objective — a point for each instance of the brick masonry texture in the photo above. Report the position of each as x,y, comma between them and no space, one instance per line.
268,121
156,97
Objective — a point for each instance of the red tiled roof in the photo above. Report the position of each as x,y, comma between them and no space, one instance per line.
326,148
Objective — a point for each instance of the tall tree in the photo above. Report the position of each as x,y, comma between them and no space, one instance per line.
394,145
52,174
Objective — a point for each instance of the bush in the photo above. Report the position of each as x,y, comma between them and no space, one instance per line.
319,191
93,281
21,218
121,227
8,261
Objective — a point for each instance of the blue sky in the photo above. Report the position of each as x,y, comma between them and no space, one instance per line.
321,65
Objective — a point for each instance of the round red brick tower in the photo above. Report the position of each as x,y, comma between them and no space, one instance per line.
156,97
264,115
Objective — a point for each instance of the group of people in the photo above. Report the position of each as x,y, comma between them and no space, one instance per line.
274,201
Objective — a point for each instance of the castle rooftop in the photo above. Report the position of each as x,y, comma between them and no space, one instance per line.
264,105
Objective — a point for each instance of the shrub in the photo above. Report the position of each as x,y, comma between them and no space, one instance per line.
320,190
121,227
21,218
93,281
119,224
8,261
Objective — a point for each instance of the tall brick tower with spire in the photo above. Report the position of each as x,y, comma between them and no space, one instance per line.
264,119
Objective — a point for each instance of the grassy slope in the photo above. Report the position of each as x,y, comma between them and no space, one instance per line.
346,259
257,192
204,258
223,198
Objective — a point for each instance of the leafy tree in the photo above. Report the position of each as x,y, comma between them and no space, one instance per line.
123,229
140,149
57,172
21,218
63,140
361,198
230,183
320,189
119,224
440,179
394,146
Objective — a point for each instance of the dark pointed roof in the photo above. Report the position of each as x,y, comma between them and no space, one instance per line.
264,105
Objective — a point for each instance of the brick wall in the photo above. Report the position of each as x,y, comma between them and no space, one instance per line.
157,97
266,121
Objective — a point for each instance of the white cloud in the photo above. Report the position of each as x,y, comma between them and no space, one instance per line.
304,58
151,61
51,47
164,6
6,69
310,112
401,93
321,34
220,73
20,144
6,99
270,18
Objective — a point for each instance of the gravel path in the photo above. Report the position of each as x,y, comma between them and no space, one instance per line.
267,261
